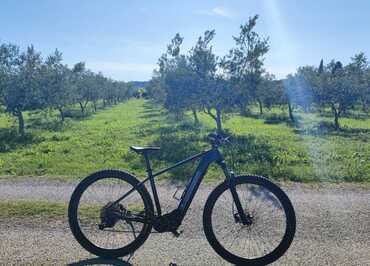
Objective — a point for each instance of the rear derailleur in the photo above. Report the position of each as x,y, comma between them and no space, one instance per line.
111,213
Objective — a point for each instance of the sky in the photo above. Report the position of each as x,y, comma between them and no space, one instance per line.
124,39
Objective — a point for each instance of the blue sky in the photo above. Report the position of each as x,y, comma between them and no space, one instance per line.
124,39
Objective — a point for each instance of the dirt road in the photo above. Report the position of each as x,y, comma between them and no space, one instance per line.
333,228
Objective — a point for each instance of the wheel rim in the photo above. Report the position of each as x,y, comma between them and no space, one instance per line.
263,236
119,233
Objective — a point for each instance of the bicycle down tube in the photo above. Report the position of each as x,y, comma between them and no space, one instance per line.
190,190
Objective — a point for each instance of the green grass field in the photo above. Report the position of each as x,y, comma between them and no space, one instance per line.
102,140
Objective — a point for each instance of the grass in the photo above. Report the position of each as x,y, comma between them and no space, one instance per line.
43,209
34,209
51,210
268,144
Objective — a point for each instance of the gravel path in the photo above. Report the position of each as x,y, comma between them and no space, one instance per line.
333,228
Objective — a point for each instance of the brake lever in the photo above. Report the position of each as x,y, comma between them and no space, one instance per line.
227,140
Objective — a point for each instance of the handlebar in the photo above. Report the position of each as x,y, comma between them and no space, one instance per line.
217,139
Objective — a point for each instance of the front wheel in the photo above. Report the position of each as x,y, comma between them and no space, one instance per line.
272,222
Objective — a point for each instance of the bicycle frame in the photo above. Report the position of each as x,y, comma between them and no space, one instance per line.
207,157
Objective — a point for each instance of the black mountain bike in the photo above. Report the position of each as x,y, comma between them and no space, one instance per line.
247,219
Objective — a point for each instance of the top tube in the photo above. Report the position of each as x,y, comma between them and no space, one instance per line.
194,157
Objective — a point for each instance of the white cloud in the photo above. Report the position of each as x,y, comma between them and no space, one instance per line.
218,11
123,71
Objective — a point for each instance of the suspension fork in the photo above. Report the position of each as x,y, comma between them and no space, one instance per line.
230,179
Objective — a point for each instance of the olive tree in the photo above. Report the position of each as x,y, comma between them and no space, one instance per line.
203,64
336,89
244,63
57,89
21,89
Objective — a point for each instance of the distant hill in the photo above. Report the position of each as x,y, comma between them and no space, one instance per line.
139,84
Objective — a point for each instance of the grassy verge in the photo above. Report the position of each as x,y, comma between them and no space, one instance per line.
33,209
51,210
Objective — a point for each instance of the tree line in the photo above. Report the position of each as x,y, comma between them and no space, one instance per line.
340,88
200,81
29,82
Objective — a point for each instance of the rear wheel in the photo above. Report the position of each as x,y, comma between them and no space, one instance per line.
272,226
106,229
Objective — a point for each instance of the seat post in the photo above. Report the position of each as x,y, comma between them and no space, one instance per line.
152,184
148,166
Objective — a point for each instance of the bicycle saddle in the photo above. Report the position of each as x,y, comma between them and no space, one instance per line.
143,149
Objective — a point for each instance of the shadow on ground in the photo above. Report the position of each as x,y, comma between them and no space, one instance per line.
100,261
10,139
181,139
326,129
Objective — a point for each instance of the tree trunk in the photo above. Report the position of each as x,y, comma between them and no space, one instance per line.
216,117
20,118
61,114
336,121
290,109
85,105
218,120
243,109
365,107
336,117
261,107
82,108
196,120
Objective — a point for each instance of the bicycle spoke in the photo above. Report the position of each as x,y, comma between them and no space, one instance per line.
268,222
98,195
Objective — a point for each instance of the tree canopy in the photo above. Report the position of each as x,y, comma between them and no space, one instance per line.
200,81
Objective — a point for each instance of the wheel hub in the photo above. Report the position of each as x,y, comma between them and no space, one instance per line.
238,219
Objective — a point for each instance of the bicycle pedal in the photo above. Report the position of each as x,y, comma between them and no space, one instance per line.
176,233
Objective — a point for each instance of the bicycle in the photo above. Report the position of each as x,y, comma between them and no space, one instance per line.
260,217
